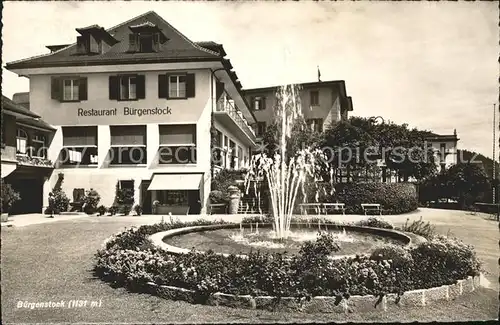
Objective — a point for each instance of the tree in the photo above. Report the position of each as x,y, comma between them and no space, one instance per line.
301,137
467,182
403,150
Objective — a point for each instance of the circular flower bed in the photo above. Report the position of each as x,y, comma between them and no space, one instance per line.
129,259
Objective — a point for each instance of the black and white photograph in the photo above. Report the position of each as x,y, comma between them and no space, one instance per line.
189,162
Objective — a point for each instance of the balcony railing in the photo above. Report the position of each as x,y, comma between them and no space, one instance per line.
226,106
27,160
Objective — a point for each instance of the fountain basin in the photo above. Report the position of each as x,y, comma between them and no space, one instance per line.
196,236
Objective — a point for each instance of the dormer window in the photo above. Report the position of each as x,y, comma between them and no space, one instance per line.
144,42
145,38
93,40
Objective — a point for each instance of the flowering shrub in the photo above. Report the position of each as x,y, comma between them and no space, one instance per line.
130,259
420,228
375,223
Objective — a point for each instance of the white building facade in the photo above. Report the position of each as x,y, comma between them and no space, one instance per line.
136,106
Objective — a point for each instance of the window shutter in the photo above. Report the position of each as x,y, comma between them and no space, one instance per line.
156,42
132,42
81,47
56,88
141,87
263,102
252,103
82,95
114,87
190,87
162,86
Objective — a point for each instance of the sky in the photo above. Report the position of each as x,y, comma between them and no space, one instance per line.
432,65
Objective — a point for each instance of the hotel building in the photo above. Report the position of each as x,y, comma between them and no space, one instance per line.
24,155
139,106
323,102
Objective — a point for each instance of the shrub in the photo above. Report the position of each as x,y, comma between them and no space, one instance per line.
262,219
102,210
138,209
224,179
443,261
395,198
113,210
420,228
216,197
58,200
375,223
125,209
91,200
8,196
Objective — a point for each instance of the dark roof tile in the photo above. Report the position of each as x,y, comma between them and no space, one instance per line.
177,48
9,105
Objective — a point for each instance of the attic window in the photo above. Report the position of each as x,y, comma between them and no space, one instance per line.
144,42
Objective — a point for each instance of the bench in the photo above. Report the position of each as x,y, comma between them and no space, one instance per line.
371,207
321,207
334,206
305,207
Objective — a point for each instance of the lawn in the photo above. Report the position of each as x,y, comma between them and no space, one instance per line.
53,262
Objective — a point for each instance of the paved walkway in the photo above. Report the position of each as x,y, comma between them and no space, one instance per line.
426,214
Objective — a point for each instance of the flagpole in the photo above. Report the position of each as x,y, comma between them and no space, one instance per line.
494,158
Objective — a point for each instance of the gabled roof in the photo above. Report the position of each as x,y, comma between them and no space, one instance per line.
9,106
340,83
178,48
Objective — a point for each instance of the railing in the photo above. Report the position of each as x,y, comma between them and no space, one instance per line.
33,161
226,106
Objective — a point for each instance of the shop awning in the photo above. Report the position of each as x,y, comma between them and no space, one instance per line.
175,182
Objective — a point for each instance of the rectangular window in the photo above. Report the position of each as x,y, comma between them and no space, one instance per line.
21,141
314,98
258,103
260,129
177,86
128,88
232,154
123,184
128,145
146,43
68,89
71,89
177,144
38,146
316,125
172,197
79,145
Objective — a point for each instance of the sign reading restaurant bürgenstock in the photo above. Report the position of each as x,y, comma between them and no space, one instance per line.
125,111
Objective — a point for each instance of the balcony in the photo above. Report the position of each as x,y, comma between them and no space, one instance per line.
26,160
233,119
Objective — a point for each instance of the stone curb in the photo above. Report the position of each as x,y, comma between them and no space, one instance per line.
323,304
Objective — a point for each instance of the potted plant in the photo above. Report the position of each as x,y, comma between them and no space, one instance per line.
156,203
138,209
9,197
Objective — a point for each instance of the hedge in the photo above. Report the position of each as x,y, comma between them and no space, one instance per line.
395,198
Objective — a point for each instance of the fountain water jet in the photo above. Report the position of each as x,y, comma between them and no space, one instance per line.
285,175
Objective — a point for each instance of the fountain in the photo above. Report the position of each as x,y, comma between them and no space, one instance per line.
285,175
